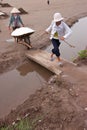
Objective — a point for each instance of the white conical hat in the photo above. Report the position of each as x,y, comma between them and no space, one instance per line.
15,10
21,31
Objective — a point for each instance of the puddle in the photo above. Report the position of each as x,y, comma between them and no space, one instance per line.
78,39
17,85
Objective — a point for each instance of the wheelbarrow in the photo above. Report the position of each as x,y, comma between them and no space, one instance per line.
22,35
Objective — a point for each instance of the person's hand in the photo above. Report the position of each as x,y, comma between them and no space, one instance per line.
46,32
9,28
62,38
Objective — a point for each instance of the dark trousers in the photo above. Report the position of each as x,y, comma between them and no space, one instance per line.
56,44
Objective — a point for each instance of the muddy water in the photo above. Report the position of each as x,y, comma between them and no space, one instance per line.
17,85
78,39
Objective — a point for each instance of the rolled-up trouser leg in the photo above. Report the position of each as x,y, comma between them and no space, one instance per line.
56,45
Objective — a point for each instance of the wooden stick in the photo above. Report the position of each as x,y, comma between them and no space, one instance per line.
69,44
29,46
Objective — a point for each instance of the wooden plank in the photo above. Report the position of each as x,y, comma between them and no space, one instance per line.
43,58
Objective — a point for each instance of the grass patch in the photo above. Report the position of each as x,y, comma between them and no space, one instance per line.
24,124
83,54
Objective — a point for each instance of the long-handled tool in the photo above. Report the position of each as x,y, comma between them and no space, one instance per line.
69,44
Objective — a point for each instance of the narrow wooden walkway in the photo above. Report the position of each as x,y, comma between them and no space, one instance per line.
43,58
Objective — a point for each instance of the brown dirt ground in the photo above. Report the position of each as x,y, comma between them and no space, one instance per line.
61,104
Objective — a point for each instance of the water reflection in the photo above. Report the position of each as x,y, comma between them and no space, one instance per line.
34,67
17,85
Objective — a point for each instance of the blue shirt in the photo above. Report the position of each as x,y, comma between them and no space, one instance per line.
15,21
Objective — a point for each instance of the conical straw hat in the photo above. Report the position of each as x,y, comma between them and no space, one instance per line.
21,31
15,10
